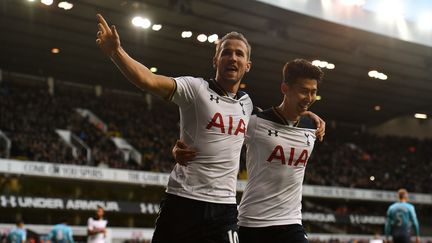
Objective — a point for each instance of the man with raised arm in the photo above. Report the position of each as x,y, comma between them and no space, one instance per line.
200,203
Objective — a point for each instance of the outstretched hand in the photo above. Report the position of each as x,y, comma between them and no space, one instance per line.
182,154
107,38
320,124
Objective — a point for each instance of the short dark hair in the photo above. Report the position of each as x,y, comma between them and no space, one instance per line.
300,69
234,36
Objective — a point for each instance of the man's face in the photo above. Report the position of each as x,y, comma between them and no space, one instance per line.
100,212
301,95
231,62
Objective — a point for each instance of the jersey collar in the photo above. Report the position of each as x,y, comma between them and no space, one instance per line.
282,119
272,114
216,87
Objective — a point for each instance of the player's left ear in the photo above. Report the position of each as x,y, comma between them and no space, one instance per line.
248,66
214,62
284,88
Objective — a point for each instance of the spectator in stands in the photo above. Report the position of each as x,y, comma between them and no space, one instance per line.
392,161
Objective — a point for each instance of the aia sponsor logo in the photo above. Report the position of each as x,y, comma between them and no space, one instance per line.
288,157
218,123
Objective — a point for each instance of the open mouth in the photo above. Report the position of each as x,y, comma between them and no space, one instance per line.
231,69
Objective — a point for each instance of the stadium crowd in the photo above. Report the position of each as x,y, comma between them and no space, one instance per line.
348,156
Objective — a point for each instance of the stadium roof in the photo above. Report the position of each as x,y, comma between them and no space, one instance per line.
29,31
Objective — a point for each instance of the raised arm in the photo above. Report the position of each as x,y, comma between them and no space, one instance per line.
108,40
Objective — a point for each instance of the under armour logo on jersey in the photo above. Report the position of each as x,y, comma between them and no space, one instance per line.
270,132
213,98
307,139
241,104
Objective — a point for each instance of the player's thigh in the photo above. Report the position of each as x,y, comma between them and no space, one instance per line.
220,223
178,220
401,239
294,234
227,233
253,235
274,234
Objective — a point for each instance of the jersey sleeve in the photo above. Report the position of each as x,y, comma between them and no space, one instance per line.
50,234
24,235
186,90
69,236
413,217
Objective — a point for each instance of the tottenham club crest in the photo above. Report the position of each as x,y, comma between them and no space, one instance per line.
241,104
307,139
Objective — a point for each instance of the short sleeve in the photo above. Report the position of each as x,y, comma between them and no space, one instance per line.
186,90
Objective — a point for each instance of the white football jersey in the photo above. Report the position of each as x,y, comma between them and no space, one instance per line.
93,224
215,125
277,154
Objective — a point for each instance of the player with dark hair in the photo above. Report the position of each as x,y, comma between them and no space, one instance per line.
96,227
401,217
18,234
279,143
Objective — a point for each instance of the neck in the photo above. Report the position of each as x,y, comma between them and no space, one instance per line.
288,112
228,86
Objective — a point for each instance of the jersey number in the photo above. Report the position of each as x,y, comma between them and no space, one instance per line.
399,219
232,236
59,235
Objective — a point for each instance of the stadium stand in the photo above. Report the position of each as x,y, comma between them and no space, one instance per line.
362,160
